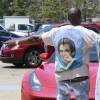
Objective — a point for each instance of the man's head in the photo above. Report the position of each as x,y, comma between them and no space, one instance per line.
74,16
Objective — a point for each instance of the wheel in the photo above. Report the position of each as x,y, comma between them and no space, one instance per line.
32,58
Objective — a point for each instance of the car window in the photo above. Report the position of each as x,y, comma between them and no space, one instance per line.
22,27
11,27
6,34
93,29
30,28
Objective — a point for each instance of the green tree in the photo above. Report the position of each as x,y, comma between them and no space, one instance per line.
46,10
52,10
34,8
5,7
19,7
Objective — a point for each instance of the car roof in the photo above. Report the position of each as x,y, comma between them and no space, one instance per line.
9,33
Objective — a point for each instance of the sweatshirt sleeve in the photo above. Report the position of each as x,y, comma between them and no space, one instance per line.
48,36
91,37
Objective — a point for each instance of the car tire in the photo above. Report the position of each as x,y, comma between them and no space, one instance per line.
31,58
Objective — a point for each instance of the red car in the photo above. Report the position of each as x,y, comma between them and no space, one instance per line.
26,54
40,83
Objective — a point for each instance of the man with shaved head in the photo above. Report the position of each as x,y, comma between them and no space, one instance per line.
71,43
74,16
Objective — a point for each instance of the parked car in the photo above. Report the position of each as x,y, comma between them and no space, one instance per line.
22,29
5,35
26,54
19,24
40,83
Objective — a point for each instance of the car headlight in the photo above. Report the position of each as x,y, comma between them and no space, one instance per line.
6,46
34,82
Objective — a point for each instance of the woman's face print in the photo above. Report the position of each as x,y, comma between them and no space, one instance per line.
66,50
65,53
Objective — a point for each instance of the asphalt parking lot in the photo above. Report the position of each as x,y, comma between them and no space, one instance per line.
10,81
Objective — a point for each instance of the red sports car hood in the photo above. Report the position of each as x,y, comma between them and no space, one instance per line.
46,75
93,73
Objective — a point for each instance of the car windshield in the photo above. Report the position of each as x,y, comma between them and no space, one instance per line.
44,29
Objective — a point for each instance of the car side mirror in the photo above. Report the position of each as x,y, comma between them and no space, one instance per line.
44,56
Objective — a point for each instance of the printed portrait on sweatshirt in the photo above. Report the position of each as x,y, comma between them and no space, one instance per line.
66,50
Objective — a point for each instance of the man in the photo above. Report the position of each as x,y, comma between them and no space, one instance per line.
72,75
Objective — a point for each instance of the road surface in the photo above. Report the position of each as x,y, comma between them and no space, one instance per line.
10,81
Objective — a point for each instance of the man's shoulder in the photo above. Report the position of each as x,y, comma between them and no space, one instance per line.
60,29
81,28
66,26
